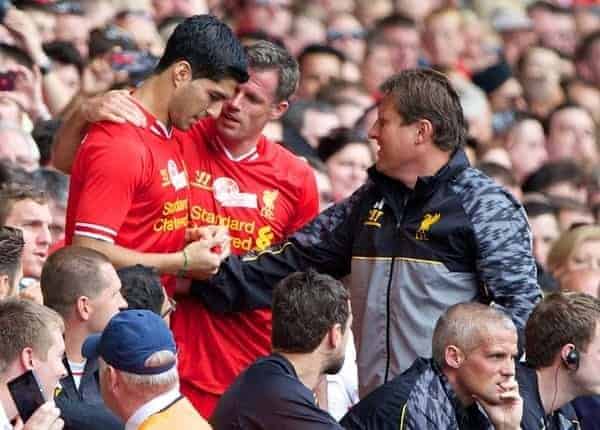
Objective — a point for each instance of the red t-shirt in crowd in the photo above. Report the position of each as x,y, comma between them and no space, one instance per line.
262,197
129,187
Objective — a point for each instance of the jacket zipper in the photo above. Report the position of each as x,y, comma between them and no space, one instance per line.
388,338
388,304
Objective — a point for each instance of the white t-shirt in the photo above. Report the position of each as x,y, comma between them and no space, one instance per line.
77,371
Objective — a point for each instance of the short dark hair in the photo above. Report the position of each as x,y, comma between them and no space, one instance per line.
43,133
12,193
11,250
264,55
209,46
559,319
394,20
427,94
141,288
25,324
70,273
498,172
337,139
568,105
305,306
315,49
294,117
64,52
535,208
552,173
17,54
54,183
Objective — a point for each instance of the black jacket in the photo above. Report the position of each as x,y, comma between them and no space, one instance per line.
534,416
420,398
83,408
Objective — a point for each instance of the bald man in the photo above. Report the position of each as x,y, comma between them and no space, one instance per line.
473,350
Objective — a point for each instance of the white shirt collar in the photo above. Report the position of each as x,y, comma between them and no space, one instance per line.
153,406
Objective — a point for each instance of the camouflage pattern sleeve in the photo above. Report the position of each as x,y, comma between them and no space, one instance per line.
505,264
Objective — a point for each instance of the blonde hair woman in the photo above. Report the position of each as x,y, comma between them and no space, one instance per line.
575,249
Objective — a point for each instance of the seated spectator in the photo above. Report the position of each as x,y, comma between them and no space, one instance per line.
571,213
540,72
82,286
571,134
575,249
142,289
138,373
311,325
347,157
31,338
562,340
23,207
318,65
56,186
526,146
543,221
11,269
563,178
473,350
504,93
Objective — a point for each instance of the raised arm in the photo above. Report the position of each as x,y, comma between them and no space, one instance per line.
116,106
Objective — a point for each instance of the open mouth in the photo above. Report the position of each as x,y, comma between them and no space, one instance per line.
230,118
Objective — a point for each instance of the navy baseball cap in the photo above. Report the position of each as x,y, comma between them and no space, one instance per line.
130,337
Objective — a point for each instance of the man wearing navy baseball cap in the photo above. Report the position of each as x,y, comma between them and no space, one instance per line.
138,373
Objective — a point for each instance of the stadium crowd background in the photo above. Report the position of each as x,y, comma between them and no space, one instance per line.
527,74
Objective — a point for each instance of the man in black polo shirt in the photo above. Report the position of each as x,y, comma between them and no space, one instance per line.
311,321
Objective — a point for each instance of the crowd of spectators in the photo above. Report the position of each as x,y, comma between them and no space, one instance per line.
283,112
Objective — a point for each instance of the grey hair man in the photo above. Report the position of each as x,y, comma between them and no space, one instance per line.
138,373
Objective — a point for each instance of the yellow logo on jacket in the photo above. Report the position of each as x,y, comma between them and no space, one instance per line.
425,226
374,215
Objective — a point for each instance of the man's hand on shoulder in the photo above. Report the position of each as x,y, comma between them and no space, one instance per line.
115,106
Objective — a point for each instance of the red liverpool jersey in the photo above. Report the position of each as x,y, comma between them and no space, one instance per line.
262,197
129,187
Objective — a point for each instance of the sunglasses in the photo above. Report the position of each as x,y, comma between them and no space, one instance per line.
339,35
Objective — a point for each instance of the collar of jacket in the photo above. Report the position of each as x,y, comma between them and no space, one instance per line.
466,417
425,185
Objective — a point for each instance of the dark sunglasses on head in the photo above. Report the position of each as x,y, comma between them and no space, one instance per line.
338,35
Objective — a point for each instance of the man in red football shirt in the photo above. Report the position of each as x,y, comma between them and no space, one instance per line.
129,193
257,189
262,193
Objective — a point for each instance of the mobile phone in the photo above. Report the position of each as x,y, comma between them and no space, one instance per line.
27,394
7,81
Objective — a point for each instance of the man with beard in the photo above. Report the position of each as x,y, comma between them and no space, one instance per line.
311,325
472,368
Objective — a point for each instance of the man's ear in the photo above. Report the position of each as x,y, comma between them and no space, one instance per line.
335,336
83,307
279,109
27,358
181,73
424,131
453,357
